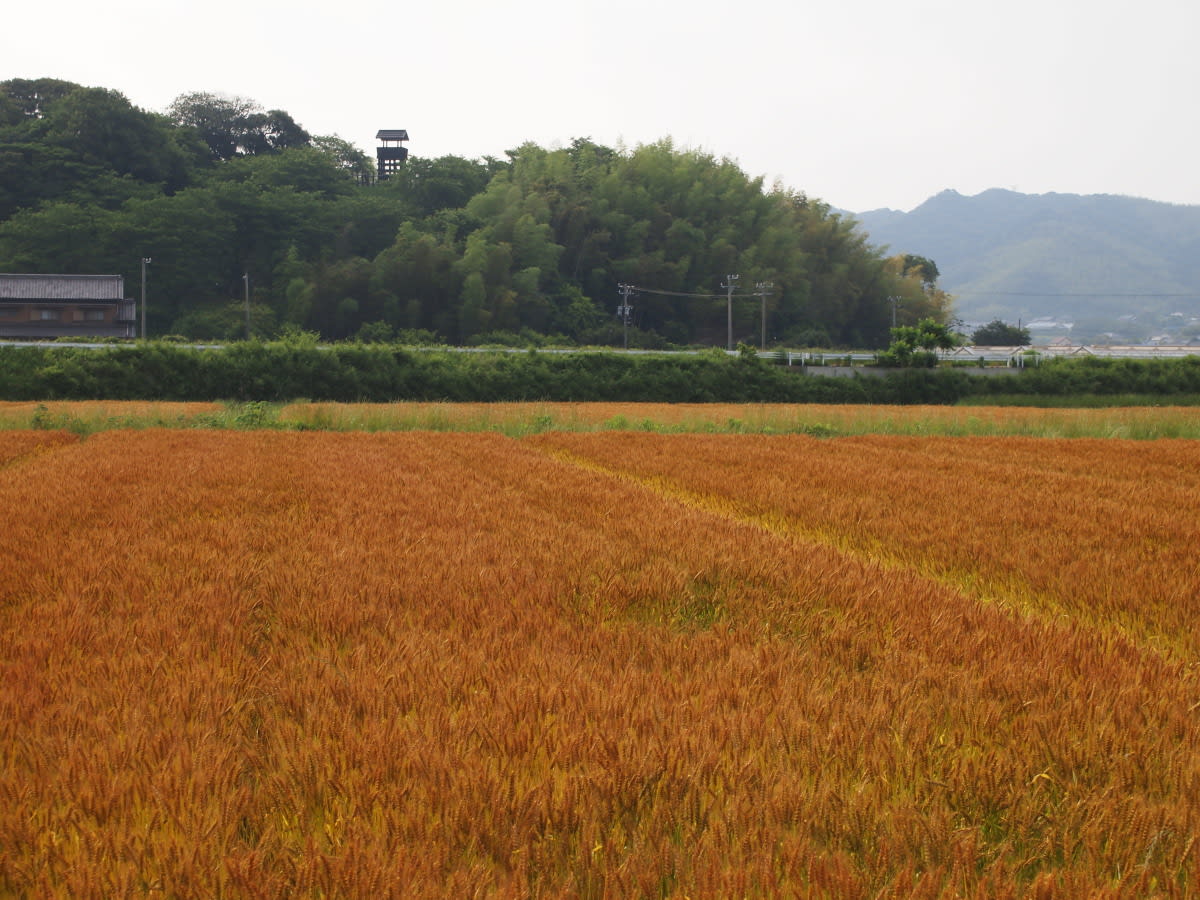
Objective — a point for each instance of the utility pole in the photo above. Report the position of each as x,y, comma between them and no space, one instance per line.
145,262
729,285
246,279
625,311
763,289
895,301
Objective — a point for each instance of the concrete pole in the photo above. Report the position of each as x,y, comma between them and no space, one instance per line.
145,262
729,285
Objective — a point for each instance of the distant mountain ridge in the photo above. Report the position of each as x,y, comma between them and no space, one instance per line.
1092,258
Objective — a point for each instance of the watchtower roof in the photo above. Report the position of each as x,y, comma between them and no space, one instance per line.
392,134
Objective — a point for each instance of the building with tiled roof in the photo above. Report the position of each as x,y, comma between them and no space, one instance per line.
51,306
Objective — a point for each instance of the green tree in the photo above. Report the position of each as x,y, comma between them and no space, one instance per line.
473,317
926,269
236,126
273,131
916,346
345,156
448,182
193,244
341,289
36,96
83,145
913,290
419,271
102,127
997,333
59,236
226,321
10,113
303,170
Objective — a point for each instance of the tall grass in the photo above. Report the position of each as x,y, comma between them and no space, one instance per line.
815,420
519,419
1081,401
86,417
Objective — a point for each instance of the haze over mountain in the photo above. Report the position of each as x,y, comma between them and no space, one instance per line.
1096,260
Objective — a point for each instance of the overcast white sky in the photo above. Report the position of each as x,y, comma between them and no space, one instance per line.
862,103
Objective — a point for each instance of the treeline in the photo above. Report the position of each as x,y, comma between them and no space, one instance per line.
299,368
219,192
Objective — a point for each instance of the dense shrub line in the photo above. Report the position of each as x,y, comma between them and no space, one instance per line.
1099,376
289,370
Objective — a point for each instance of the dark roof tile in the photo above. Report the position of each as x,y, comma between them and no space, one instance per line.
62,287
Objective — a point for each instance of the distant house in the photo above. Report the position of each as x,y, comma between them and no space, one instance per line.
51,306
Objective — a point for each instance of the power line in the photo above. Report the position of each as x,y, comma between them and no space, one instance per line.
762,289
1064,294
645,290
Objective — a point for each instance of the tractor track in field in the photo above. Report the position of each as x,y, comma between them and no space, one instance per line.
1015,597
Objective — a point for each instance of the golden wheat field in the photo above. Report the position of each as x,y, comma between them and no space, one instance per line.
605,664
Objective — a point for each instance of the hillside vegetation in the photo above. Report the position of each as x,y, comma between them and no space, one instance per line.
1093,260
219,192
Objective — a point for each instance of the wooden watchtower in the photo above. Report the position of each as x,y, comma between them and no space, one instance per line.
392,154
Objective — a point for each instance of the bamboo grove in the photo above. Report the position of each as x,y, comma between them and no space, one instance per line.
610,664
227,197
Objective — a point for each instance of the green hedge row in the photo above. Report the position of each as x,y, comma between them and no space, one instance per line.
284,371
1093,375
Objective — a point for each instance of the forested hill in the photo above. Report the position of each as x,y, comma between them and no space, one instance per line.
457,250
1009,255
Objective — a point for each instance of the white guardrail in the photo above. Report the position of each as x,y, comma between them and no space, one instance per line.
1012,357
